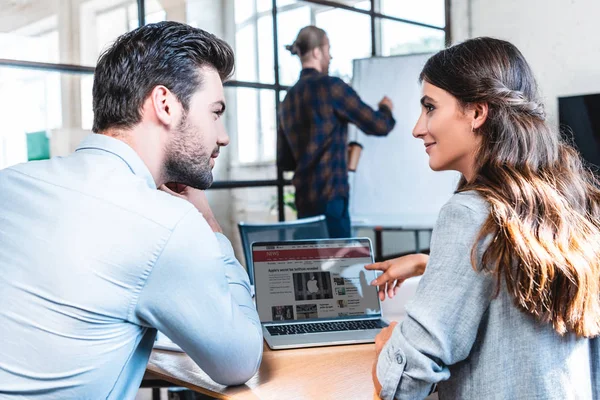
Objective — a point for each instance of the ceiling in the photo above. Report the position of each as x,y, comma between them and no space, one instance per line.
15,14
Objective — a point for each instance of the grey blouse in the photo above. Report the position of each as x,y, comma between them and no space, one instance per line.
475,346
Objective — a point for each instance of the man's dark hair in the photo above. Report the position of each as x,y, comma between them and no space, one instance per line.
165,53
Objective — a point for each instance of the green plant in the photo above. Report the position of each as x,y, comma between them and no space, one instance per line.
289,200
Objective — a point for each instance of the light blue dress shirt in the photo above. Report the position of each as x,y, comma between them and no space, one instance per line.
93,260
475,345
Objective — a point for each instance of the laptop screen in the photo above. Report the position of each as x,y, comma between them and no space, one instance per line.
314,279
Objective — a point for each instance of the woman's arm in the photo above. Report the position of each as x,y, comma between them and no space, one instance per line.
444,316
396,271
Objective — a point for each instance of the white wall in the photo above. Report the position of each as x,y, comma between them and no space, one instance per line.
559,38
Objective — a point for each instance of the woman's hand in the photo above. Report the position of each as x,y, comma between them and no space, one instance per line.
396,271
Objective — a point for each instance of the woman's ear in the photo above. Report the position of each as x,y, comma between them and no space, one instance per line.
480,115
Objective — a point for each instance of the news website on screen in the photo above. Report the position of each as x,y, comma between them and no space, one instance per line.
317,280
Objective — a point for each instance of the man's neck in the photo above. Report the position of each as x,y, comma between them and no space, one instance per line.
150,151
312,64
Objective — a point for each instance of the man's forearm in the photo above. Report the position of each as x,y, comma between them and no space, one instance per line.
237,277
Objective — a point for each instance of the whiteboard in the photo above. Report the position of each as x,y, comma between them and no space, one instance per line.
393,184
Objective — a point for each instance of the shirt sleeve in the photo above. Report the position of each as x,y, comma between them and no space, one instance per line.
349,106
285,156
199,295
444,316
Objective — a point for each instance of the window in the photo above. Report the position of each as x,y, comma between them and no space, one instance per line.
87,113
430,12
290,19
101,22
37,103
254,41
30,37
349,35
401,38
33,30
253,111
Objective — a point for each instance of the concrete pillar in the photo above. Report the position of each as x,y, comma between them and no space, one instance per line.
68,44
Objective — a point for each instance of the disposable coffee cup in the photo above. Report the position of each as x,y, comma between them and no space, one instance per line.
354,150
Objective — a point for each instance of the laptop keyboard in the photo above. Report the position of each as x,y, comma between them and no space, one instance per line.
297,329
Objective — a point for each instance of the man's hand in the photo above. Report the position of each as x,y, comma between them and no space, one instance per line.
197,198
380,340
396,271
387,102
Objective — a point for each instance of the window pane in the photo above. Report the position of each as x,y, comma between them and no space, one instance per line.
244,10
251,123
101,23
267,125
258,205
254,42
289,22
38,103
253,205
264,5
87,113
32,30
430,12
362,5
282,94
359,4
246,60
349,35
245,124
154,12
401,38
35,101
282,3
29,31
266,68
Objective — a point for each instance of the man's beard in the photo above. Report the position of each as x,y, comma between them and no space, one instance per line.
187,161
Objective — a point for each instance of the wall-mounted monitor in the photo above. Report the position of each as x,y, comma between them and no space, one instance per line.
582,115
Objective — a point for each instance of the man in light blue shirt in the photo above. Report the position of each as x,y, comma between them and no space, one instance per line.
94,259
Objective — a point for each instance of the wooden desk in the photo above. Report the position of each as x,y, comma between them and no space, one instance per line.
337,372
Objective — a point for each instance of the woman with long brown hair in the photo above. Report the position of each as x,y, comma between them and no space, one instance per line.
509,303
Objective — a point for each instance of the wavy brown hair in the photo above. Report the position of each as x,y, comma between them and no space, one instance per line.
544,227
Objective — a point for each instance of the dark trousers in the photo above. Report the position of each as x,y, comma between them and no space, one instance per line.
336,214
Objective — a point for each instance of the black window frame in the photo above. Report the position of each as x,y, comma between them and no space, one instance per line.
280,182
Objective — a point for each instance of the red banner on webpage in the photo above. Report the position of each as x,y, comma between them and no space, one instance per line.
310,254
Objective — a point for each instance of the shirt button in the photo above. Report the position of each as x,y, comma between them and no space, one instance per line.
399,358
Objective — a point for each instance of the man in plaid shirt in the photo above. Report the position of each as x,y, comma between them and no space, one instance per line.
313,132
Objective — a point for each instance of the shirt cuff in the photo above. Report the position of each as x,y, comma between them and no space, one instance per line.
385,109
390,367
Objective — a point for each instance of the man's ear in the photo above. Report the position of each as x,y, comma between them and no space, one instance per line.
317,53
480,115
165,105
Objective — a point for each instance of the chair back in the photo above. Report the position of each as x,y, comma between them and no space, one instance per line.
303,228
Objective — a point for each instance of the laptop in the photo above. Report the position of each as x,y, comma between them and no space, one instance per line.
316,292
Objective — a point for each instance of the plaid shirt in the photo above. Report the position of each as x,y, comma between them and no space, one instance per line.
313,135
